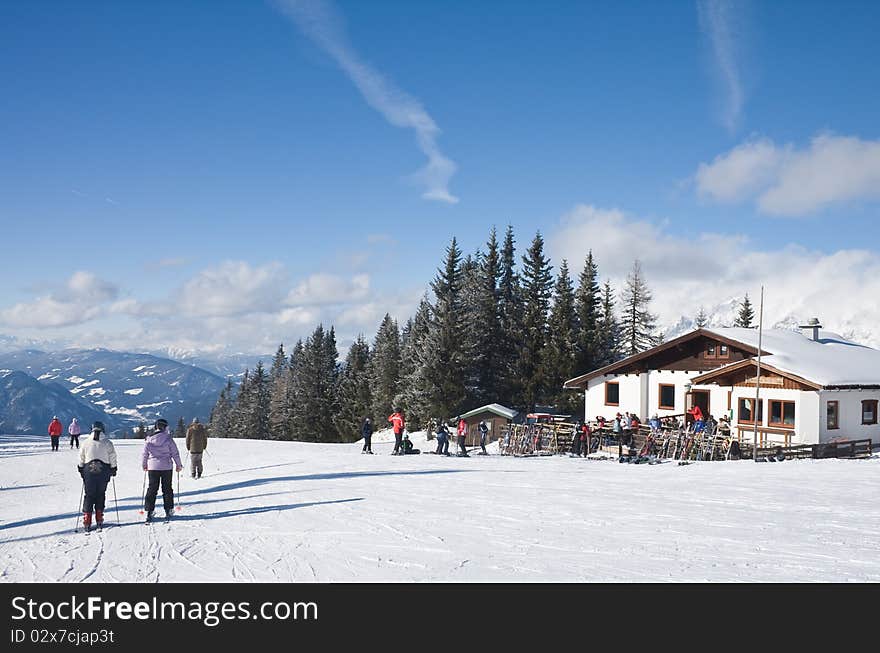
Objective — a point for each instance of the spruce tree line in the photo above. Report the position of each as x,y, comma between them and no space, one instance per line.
489,331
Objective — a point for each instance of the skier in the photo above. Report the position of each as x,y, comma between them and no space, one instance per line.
576,439
462,434
73,430
626,427
159,452
398,424
367,433
484,433
654,423
196,443
97,463
442,439
585,444
55,428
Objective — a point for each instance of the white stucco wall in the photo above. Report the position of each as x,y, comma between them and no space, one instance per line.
806,411
849,415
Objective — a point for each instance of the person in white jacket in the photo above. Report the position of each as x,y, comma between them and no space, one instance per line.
97,463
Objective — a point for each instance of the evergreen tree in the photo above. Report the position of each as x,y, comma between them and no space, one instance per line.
487,350
354,396
638,329
446,367
471,354
279,417
180,429
220,422
141,431
701,319
416,361
537,281
588,307
256,410
241,407
746,314
385,370
297,426
559,353
316,383
510,311
609,329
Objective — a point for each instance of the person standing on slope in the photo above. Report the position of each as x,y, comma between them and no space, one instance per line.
196,443
73,431
97,463
484,433
55,429
398,424
442,439
462,434
367,434
158,460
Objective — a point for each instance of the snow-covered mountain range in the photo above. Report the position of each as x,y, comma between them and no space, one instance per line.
127,388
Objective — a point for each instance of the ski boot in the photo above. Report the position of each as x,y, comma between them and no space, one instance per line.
87,521
99,519
149,516
169,514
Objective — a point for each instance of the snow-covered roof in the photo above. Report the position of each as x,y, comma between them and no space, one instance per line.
498,409
832,360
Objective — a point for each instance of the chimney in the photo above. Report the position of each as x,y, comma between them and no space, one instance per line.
814,325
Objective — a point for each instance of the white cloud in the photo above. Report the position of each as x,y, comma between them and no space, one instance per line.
321,23
234,288
329,289
710,269
83,297
721,22
785,180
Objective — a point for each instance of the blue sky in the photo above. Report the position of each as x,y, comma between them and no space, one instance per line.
261,155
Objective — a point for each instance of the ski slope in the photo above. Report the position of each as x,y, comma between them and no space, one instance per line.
282,511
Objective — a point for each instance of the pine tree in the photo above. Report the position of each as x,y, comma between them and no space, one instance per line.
241,408
588,307
746,314
141,431
609,329
315,398
638,329
471,353
701,319
180,429
537,281
510,311
559,353
279,414
220,422
445,338
256,410
385,370
416,387
486,327
297,426
354,396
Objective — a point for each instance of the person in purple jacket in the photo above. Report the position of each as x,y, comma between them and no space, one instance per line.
159,459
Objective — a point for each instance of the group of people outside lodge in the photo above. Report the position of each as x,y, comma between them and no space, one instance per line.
97,464
402,445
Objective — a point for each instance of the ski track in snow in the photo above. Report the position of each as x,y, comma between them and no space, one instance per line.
286,512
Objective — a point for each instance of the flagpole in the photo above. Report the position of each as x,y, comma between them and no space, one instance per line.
756,409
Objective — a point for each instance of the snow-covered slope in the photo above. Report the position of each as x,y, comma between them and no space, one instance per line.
279,511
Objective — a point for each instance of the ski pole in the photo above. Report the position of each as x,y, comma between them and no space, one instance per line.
177,496
82,490
143,494
115,502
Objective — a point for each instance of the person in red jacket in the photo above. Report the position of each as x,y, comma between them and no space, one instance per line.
55,429
462,434
398,424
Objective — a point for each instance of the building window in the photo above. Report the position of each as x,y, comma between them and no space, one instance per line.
612,394
832,415
869,411
782,413
667,397
723,351
710,350
745,414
